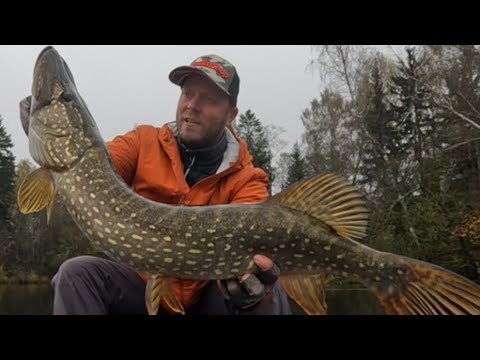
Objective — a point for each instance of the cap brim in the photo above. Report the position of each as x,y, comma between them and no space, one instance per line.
178,75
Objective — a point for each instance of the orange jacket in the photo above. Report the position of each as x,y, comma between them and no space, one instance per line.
148,159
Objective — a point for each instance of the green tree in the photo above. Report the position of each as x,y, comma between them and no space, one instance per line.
254,133
296,167
7,174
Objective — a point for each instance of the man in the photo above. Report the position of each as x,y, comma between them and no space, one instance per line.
196,160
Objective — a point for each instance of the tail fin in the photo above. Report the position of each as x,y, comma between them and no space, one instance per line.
428,289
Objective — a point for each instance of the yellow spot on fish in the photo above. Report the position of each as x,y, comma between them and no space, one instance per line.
327,248
107,230
90,231
98,222
107,215
167,250
281,246
229,236
340,256
121,225
133,215
92,195
194,251
188,235
111,241
80,199
218,272
154,239
128,246
168,260
78,178
210,245
227,247
136,237
100,235
153,227
117,209
299,256
179,244
167,238
191,262
95,209
137,256
400,272
211,231
256,237
269,229
361,265
151,250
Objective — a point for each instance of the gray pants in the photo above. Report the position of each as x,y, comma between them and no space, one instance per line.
96,286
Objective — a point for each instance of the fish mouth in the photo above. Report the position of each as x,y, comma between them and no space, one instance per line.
51,74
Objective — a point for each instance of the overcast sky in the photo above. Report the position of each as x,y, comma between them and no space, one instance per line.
128,85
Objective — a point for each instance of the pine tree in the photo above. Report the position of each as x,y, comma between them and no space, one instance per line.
252,131
7,174
296,167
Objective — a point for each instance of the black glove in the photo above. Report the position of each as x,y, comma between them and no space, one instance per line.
248,293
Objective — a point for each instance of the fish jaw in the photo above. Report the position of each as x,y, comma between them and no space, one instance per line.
59,125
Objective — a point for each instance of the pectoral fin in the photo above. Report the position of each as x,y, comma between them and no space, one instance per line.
36,192
308,291
159,292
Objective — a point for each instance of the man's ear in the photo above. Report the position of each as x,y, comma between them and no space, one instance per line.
232,114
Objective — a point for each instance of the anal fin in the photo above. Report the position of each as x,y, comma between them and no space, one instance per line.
308,291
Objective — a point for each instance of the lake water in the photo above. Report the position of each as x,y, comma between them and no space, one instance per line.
38,300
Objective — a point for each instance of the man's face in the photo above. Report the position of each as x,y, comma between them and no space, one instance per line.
203,111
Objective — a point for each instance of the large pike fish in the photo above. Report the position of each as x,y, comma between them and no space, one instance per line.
310,230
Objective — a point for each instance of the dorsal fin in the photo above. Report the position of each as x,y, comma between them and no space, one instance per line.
329,198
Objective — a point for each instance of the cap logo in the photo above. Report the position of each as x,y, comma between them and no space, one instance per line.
221,71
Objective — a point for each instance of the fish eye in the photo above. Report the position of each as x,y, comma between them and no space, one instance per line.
66,96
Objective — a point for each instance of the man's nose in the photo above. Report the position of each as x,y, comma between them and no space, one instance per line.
193,102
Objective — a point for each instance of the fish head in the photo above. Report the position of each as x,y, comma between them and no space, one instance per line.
59,126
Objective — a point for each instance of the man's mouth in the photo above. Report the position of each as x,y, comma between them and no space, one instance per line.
190,121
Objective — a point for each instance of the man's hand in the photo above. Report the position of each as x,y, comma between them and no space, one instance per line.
249,289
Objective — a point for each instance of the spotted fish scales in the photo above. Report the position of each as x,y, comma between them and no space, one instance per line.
311,230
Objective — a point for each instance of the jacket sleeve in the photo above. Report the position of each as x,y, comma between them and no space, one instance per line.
124,152
253,189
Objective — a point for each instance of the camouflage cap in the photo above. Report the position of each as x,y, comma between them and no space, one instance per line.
214,67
